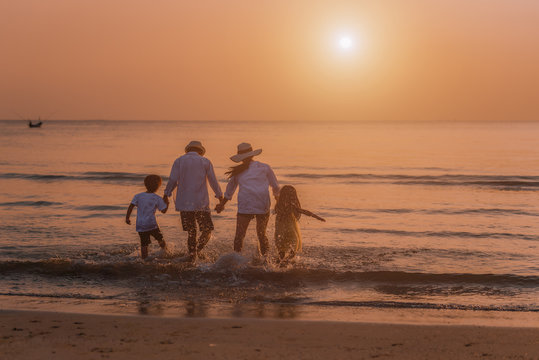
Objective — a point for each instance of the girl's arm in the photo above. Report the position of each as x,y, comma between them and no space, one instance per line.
128,215
308,213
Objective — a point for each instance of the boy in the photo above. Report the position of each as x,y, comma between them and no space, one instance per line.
146,203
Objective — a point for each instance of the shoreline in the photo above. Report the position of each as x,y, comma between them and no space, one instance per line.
38,334
186,309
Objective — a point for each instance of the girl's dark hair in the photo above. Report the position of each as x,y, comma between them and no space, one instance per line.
288,202
238,169
152,182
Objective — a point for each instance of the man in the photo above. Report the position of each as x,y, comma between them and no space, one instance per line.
190,173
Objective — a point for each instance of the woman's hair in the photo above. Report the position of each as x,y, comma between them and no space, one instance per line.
152,182
238,169
288,202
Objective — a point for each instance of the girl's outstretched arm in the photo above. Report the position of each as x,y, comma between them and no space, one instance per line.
308,213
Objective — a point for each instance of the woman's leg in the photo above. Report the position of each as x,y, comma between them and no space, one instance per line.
261,225
242,223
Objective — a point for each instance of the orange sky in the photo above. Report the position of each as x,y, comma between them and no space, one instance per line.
270,60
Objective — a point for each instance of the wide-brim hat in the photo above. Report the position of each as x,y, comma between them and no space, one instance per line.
245,150
197,145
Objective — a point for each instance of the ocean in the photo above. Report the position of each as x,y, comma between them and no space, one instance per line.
437,221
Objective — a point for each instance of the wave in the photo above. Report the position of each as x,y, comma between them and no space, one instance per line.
442,234
504,181
101,207
185,272
480,211
30,203
115,177
498,181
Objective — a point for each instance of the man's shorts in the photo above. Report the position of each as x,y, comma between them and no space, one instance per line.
191,218
145,237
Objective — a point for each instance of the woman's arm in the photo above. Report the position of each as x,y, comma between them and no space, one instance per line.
230,190
272,179
308,213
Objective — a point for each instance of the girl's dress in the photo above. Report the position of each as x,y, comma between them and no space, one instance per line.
287,234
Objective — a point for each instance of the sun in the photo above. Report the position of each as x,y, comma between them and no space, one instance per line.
345,42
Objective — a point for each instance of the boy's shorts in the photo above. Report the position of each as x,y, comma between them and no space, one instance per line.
145,237
191,218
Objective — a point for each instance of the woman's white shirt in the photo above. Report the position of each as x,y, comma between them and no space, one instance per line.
253,195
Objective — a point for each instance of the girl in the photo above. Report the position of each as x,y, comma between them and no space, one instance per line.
287,234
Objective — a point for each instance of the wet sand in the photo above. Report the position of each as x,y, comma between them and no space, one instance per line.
44,335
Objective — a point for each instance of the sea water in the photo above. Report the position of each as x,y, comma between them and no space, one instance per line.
430,217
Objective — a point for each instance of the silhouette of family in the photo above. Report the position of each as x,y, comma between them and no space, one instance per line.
190,175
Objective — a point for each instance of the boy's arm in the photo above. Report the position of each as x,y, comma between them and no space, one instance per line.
128,215
308,213
167,202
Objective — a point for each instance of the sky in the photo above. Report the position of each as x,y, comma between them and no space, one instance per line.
278,60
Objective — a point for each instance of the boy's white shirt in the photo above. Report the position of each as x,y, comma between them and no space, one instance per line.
191,173
147,204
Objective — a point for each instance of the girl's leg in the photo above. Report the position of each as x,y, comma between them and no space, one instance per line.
261,225
242,223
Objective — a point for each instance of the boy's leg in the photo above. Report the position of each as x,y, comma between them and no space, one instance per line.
261,225
144,252
156,233
189,225
144,242
242,223
205,225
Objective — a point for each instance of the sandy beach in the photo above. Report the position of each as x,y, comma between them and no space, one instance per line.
47,335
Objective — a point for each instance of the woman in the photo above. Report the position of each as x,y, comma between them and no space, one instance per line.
253,179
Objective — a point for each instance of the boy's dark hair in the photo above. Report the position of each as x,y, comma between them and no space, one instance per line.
152,182
195,149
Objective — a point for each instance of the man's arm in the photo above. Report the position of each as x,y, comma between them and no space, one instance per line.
212,179
128,215
172,179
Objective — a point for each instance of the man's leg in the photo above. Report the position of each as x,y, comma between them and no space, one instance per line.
242,223
205,225
189,225
261,225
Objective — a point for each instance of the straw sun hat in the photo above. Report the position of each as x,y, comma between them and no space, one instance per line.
245,150
196,145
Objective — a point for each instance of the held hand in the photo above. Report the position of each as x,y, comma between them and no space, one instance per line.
128,221
219,208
